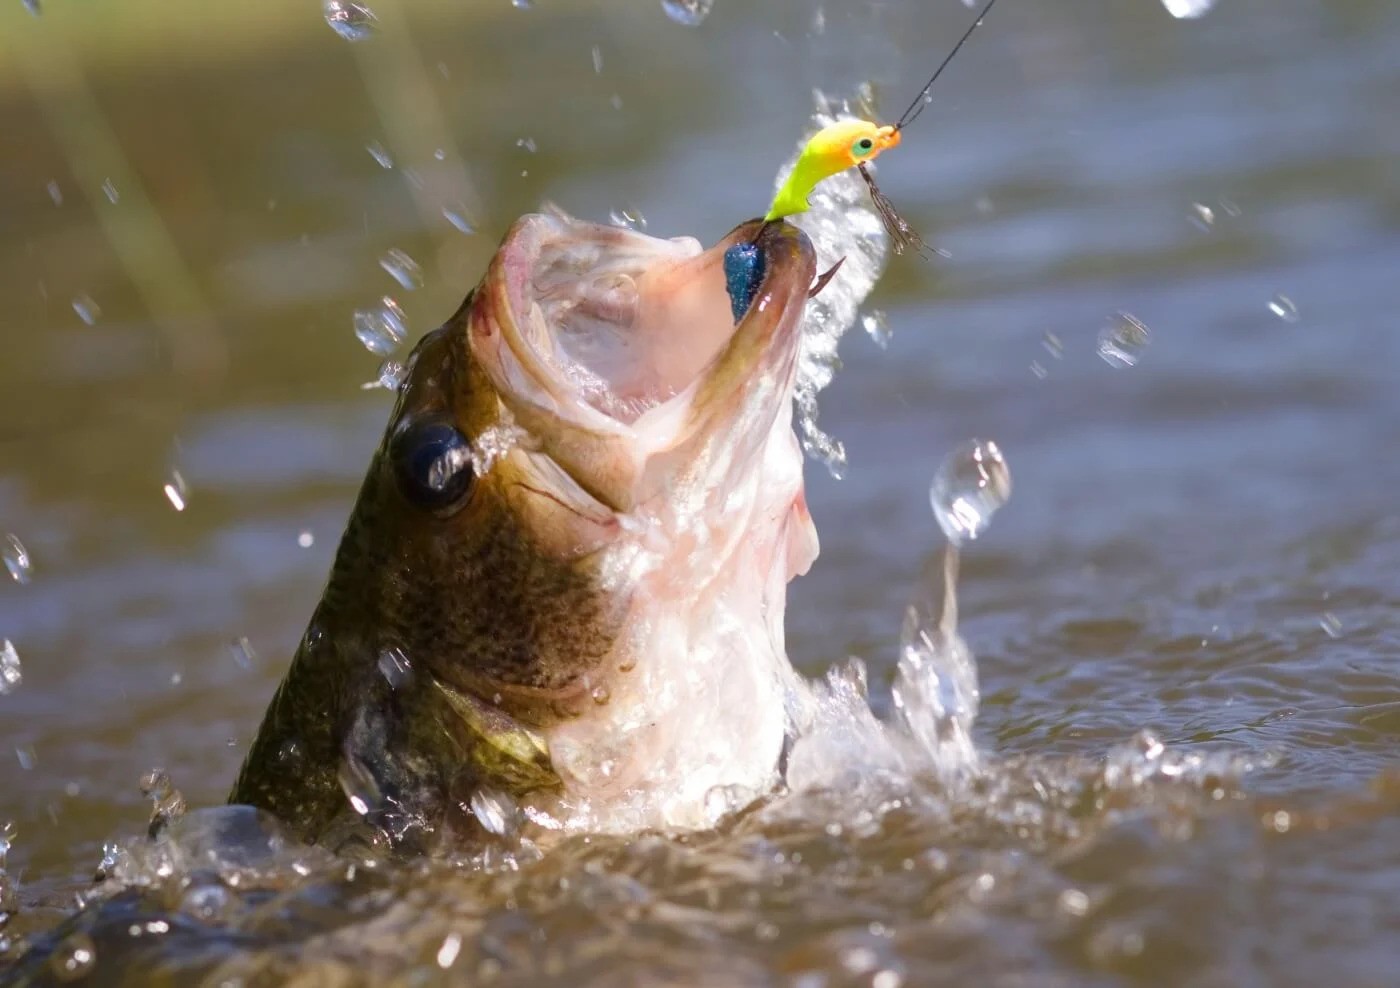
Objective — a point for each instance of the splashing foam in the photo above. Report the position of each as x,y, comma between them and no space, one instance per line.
841,223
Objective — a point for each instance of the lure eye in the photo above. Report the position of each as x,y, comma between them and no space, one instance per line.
432,462
863,147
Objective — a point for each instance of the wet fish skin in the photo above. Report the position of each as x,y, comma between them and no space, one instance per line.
497,600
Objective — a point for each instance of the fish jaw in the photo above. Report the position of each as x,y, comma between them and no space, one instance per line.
700,486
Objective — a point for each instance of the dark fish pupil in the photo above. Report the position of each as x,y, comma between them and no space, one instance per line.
433,463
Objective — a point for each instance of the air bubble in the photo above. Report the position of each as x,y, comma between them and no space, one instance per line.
1122,341
971,484
352,21
688,12
381,330
16,558
402,268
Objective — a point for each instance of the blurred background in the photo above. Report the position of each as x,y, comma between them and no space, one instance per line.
195,199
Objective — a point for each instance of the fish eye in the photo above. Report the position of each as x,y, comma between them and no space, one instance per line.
433,463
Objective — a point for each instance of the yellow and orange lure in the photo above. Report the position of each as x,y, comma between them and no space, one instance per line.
854,144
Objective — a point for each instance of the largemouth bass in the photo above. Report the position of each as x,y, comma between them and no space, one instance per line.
564,578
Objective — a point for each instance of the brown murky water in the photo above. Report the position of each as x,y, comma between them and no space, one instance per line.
1204,545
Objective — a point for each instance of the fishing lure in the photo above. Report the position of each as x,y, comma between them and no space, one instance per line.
834,148
854,144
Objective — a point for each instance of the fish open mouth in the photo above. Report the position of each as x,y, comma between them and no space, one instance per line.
607,326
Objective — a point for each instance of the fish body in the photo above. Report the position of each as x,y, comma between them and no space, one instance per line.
564,578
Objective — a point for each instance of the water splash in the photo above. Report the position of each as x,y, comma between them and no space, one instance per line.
691,13
840,223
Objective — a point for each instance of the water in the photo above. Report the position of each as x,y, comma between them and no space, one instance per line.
971,485
691,13
383,329
402,268
1202,547
1122,341
16,558
352,21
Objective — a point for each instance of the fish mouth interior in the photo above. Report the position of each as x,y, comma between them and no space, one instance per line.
622,321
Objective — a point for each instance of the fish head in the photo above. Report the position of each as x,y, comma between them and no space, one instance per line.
587,505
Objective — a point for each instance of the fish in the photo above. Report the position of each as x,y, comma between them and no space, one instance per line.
563,582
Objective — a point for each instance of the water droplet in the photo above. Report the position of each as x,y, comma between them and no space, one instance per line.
243,653
687,12
26,758
1074,902
74,958
1331,624
971,484
528,143
888,978
380,154
598,59
110,191
1122,341
16,558
452,945
522,4
628,217
1283,307
352,21
206,901
492,443
88,310
55,193
1053,346
1202,216
1230,208
615,101
877,327
32,6
458,218
440,155
395,668
176,491
494,810
390,377
10,673
1038,369
381,330
819,21
305,539
402,268
601,695
1187,9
